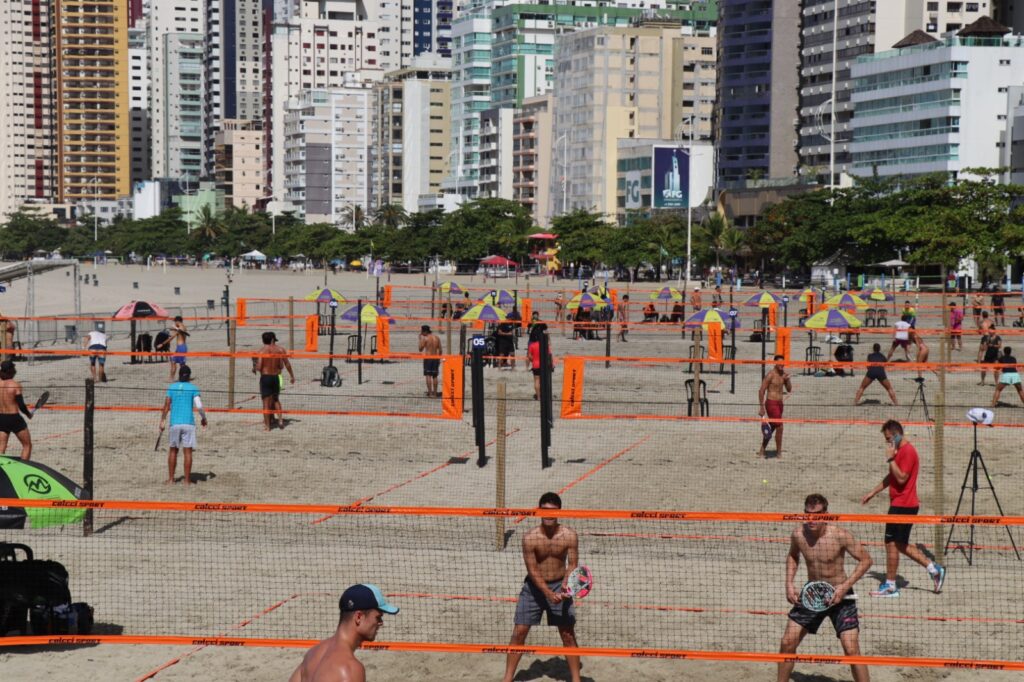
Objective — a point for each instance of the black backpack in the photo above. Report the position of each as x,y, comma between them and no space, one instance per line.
330,377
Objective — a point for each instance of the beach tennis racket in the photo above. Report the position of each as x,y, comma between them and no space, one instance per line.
579,583
817,596
159,435
42,401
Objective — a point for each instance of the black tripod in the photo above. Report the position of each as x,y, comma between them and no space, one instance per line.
919,395
972,474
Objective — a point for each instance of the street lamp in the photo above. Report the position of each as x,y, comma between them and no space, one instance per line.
832,122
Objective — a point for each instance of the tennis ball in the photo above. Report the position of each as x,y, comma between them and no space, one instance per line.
765,481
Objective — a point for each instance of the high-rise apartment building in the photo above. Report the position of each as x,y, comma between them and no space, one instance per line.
496,156
938,106
1009,13
328,142
531,155
138,101
90,94
611,83
177,72
758,77
895,20
432,27
239,162
413,132
26,115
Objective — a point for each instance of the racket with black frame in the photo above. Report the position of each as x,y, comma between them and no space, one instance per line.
40,402
817,596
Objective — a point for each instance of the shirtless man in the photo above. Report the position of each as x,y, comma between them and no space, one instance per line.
695,301
823,547
551,552
333,660
977,305
269,369
430,345
11,401
771,397
179,337
623,317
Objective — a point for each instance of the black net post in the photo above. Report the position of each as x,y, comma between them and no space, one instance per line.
732,332
545,402
608,344
764,339
87,452
359,341
477,379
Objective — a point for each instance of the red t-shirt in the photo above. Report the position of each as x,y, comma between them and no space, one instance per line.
905,495
533,350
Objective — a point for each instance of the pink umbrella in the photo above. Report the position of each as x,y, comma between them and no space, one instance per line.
135,309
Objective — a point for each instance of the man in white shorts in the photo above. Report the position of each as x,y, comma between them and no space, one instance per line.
182,397
96,341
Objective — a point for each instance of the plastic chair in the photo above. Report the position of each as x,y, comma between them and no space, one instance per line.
693,355
881,321
728,353
869,317
705,408
812,355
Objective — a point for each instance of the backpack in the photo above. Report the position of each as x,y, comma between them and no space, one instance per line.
330,378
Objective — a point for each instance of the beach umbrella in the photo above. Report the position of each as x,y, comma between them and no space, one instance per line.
833,318
703,318
667,294
806,294
322,295
485,312
876,294
848,301
449,287
356,263
499,297
369,314
134,309
764,299
498,261
34,481
587,302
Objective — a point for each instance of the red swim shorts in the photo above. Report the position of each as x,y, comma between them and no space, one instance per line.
773,409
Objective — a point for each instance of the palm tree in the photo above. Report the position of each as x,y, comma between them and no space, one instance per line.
209,225
733,242
390,216
354,217
713,230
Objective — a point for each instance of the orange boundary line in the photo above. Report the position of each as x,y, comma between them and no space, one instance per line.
494,512
463,458
593,652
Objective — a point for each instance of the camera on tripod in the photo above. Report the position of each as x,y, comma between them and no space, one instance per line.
979,415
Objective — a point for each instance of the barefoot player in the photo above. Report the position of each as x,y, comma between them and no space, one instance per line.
269,366
333,660
11,402
551,553
770,397
430,345
823,546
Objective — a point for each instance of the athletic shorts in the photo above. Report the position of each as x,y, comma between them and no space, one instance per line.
532,604
843,616
536,371
183,436
180,348
93,359
902,343
506,345
991,355
976,311
900,532
12,423
431,367
877,373
1010,378
773,410
270,385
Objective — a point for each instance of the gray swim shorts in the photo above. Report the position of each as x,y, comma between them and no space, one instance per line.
532,604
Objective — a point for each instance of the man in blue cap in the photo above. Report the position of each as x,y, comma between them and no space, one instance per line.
333,660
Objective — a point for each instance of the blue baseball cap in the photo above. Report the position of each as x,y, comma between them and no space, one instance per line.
365,596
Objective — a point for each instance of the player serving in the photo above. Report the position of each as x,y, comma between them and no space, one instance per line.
828,592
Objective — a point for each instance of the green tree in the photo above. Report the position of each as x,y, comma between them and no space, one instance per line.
353,217
583,237
483,227
26,232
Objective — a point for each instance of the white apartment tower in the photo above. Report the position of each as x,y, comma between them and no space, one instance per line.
26,126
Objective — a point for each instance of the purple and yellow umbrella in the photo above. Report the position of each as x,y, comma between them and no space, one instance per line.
587,302
847,301
325,296
833,318
764,299
877,294
485,312
667,294
369,314
710,316
449,287
499,297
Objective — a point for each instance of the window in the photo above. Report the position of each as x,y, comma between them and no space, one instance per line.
933,7
707,51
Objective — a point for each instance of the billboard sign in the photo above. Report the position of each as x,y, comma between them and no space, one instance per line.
633,198
670,167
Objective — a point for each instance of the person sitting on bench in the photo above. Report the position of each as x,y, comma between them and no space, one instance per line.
650,313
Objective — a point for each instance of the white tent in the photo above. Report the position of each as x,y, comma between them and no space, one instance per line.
254,255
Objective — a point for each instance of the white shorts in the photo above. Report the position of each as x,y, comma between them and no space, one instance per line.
183,436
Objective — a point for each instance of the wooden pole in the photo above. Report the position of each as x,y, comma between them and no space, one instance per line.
499,477
291,323
233,339
87,453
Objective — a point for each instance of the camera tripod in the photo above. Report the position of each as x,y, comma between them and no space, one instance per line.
975,462
919,395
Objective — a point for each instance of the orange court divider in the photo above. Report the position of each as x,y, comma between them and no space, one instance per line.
451,386
386,298
383,336
312,333
783,342
715,353
773,311
240,314
810,304
572,387
527,305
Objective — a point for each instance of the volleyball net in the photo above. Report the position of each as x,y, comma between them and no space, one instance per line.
667,583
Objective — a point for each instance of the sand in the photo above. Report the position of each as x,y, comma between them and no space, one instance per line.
207,574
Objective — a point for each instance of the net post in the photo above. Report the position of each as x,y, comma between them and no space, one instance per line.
608,345
291,323
545,401
939,446
232,342
87,452
697,345
764,339
499,476
433,297
477,379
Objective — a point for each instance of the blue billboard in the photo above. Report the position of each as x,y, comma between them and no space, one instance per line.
671,170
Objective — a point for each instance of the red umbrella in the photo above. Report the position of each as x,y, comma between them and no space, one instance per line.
134,309
498,260
543,235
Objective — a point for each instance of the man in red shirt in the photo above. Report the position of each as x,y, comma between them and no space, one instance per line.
901,480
